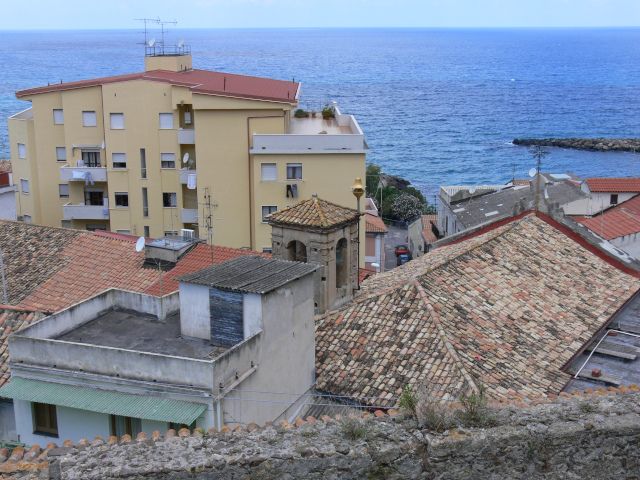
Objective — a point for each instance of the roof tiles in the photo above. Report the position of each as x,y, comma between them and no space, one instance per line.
12,319
428,222
374,224
618,221
314,212
614,184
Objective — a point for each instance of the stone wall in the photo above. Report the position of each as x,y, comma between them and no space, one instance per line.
576,436
601,144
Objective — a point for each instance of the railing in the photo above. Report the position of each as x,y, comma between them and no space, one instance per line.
184,175
79,174
85,212
187,136
160,50
189,215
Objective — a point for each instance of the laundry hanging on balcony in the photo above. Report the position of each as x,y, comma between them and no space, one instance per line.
88,178
292,190
191,181
78,175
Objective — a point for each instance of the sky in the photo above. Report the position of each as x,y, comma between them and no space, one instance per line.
119,14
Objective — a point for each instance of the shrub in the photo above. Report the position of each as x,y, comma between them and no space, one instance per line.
352,429
475,412
406,207
327,112
409,400
300,113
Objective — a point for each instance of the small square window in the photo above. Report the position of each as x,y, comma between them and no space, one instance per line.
168,160
65,223
266,250
61,154
170,233
63,189
146,231
58,116
169,200
117,121
266,210
22,150
45,419
294,171
27,218
122,199
166,121
89,119
269,172
614,199
24,185
126,232
119,160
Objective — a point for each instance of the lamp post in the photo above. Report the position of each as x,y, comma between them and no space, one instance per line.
358,191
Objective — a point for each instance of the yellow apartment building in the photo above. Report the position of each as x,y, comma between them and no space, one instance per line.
175,148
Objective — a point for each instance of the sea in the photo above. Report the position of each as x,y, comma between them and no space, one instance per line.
437,106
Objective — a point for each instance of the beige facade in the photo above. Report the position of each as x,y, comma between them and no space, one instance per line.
132,133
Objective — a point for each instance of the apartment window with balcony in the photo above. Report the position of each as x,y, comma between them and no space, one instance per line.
269,172
89,118
61,154
170,233
22,151
63,189
266,210
26,218
168,160
294,171
119,160
146,231
145,202
117,121
24,186
91,158
169,200
65,223
143,163
92,227
93,196
122,199
45,419
58,116
126,232
166,121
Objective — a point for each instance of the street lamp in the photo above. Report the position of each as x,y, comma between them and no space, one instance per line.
358,191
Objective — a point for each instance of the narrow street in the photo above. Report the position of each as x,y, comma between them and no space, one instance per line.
395,236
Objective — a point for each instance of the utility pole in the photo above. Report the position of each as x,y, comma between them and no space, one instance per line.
538,152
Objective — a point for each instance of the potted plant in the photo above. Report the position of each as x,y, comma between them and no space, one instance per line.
327,113
299,113
313,113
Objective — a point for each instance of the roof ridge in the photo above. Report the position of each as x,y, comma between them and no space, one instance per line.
323,217
443,336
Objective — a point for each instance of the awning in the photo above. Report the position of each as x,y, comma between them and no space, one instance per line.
103,401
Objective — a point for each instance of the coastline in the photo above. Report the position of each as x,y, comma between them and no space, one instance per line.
595,144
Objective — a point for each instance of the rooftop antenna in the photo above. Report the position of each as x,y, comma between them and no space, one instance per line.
146,31
538,152
162,24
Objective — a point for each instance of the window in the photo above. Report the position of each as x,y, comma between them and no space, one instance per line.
58,116
119,160
121,426
143,163
22,151
266,249
269,172
169,200
122,199
117,121
94,196
45,419
89,119
63,188
24,185
166,120
168,160
26,218
294,171
125,232
92,227
65,223
146,231
61,154
266,210
145,202
170,233
91,158
614,199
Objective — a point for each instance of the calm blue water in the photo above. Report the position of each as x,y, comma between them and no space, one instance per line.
438,106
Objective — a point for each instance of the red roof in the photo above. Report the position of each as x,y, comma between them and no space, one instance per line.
197,259
374,224
427,230
614,184
619,221
198,81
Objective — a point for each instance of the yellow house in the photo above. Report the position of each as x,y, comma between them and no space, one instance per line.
176,148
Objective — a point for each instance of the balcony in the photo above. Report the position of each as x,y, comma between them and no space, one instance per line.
189,215
79,174
85,212
187,136
184,175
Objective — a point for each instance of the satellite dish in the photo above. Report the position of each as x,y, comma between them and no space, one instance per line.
472,190
152,42
532,172
185,159
140,244
181,43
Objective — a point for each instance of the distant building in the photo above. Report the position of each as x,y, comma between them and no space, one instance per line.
8,191
374,248
422,233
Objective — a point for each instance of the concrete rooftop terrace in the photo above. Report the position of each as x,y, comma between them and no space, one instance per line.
131,331
313,126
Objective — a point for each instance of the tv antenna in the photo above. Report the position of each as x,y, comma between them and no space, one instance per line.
162,24
146,30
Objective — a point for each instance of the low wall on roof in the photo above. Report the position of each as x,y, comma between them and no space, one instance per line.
594,436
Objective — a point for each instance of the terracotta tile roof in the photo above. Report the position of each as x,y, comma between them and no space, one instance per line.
314,212
507,308
374,224
363,274
613,184
198,81
521,182
427,230
197,259
618,221
5,165
12,319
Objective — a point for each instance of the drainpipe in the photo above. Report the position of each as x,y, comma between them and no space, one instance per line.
250,172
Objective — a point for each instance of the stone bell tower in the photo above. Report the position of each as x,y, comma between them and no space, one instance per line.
322,233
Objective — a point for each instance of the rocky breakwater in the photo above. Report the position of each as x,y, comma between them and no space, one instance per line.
596,144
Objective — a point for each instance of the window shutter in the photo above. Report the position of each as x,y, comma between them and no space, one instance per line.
119,160
58,116
61,153
89,119
166,120
22,151
269,172
117,121
64,190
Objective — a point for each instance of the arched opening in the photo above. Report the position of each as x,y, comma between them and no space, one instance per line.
342,263
297,251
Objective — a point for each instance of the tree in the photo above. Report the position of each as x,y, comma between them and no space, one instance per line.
407,207
389,194
373,180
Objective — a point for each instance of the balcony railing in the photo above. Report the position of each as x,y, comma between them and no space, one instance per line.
189,215
187,136
184,175
85,212
79,174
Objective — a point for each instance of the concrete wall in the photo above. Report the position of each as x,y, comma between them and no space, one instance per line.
414,233
8,209
195,317
629,243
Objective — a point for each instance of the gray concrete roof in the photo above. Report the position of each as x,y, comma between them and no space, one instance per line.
250,274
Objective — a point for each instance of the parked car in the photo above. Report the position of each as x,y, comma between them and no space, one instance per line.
402,259
402,249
